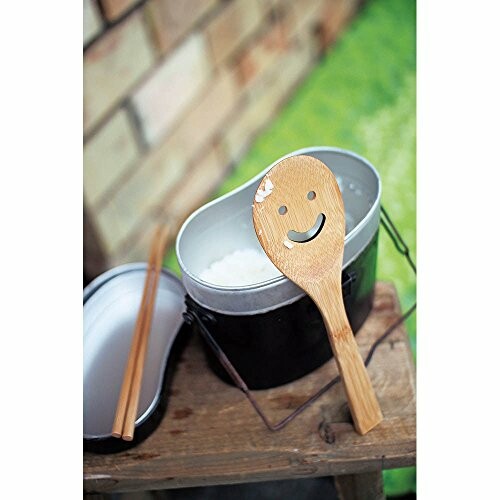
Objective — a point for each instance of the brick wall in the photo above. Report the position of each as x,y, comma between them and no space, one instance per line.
174,93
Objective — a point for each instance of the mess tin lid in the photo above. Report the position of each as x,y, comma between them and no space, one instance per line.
110,307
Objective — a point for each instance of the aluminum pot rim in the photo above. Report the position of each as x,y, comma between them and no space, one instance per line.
282,278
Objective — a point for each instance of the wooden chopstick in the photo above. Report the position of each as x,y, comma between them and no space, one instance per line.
126,410
135,390
121,407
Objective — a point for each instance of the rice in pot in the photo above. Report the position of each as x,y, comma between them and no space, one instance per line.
239,268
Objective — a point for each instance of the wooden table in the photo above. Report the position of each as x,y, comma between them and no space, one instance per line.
211,435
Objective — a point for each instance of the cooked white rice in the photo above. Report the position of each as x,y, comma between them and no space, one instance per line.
242,267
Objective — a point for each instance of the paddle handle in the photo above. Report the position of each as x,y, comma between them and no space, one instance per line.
361,397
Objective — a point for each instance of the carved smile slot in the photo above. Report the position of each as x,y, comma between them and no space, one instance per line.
310,234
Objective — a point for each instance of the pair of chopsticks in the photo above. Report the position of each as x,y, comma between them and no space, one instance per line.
128,402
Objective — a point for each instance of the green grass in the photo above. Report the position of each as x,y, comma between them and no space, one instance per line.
361,97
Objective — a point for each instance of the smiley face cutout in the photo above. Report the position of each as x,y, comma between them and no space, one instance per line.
298,215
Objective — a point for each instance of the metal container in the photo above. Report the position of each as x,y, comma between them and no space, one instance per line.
110,306
271,331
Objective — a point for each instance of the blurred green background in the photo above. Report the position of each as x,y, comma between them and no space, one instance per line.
362,97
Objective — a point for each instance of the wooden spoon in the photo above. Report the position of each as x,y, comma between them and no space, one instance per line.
298,215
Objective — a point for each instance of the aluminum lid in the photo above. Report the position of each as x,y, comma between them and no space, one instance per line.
111,304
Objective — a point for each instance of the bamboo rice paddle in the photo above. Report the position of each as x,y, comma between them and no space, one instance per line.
126,410
298,216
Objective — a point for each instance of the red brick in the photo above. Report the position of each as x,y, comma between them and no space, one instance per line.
203,178
163,98
208,117
251,118
205,174
112,66
113,9
266,96
296,66
113,228
336,15
267,5
266,51
142,192
230,28
137,248
107,156
92,23
241,130
172,19
307,14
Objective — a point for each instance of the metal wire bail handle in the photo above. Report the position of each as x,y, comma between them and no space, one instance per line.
191,316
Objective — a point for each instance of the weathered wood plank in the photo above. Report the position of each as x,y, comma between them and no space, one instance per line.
211,435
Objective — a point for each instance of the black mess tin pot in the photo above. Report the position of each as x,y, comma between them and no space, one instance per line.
271,331
110,306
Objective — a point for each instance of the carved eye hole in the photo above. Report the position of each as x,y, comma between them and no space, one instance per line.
311,195
282,210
